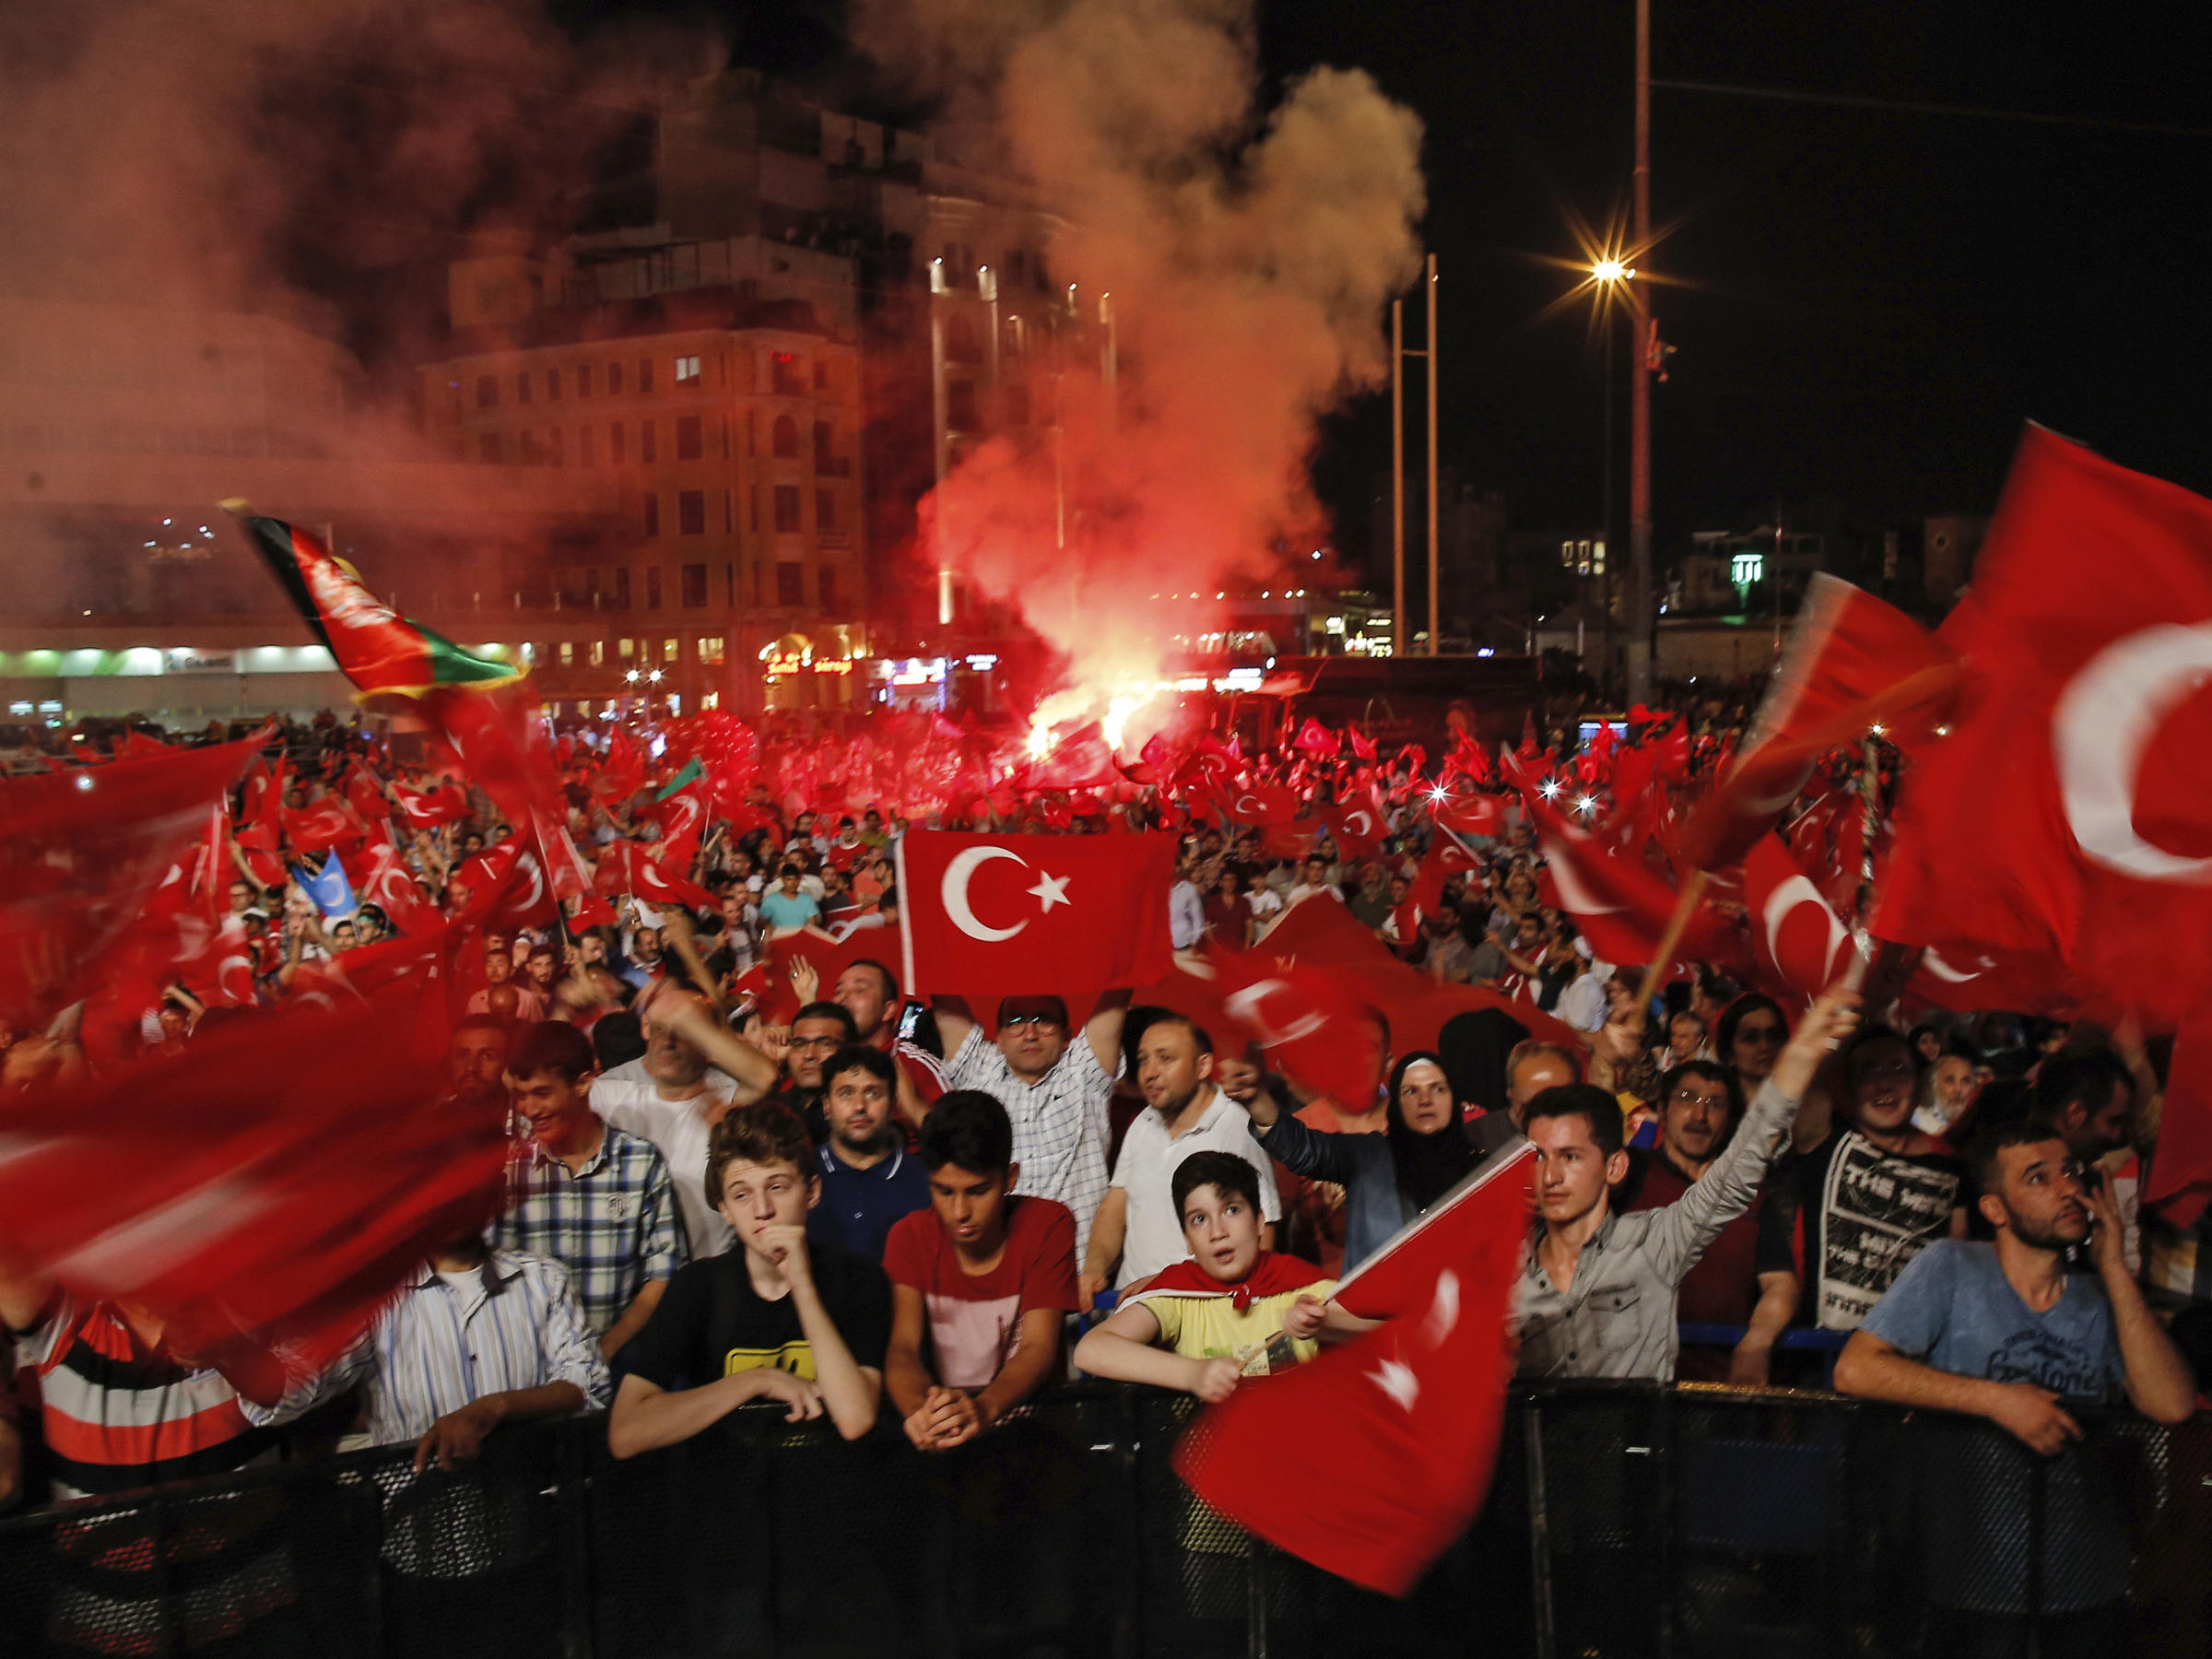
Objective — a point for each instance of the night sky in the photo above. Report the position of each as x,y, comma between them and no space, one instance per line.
1866,303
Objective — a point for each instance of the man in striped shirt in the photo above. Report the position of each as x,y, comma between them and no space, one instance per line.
477,1336
595,1199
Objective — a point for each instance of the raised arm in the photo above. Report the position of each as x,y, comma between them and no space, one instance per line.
755,1074
1304,1150
1103,1030
2159,1382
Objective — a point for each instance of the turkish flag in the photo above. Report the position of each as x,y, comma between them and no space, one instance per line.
986,916
387,883
1470,814
1400,1427
2066,814
1304,1019
1853,664
1622,907
1313,738
275,1183
1799,945
426,808
1447,856
83,854
1968,979
321,824
1267,805
1356,824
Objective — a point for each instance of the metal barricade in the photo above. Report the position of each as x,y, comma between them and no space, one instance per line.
1623,1520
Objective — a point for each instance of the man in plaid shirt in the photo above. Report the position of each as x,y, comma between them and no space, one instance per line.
595,1199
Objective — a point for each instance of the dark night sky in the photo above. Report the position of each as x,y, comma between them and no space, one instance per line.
1869,302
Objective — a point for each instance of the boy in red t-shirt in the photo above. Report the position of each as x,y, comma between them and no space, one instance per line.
984,1277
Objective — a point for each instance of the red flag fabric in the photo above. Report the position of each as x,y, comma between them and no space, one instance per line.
82,855
1302,1017
1401,1426
2181,1170
321,824
1854,662
426,808
1799,944
1622,908
275,1183
1313,738
1362,744
1447,856
2066,813
1268,805
1356,825
1471,814
389,885
986,916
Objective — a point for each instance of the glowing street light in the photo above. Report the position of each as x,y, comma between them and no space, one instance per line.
1550,789
1610,270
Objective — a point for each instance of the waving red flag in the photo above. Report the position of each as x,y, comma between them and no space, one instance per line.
426,808
1313,738
387,883
1301,1016
1401,1426
1800,945
2066,812
986,916
273,1184
1622,908
1357,824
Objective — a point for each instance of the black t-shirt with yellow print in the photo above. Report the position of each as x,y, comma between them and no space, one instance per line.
711,1323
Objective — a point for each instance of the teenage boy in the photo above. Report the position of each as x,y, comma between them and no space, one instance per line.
771,1320
986,1276
1232,1311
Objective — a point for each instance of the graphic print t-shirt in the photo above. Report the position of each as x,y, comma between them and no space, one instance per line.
711,1323
1868,1213
975,1321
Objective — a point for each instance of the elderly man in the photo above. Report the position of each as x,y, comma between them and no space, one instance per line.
1054,1092
1532,1067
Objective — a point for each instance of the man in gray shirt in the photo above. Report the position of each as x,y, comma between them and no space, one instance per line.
1597,1296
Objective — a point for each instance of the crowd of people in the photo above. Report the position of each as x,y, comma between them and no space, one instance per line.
731,1181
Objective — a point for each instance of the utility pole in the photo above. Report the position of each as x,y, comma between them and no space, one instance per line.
1397,477
941,419
1433,626
1640,391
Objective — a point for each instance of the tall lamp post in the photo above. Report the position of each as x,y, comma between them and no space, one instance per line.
1640,385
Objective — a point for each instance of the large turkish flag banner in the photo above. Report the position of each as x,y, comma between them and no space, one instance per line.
1400,1427
985,916
2069,810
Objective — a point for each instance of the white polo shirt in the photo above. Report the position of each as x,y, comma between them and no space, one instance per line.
628,1098
1145,1170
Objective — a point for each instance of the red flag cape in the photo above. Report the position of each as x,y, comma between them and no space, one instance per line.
1399,1427
1001,915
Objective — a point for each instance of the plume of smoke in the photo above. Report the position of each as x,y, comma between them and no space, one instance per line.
1248,255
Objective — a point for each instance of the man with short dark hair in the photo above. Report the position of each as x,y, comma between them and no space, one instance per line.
1747,1277
982,1278
2003,1330
1137,1220
868,1181
1597,1295
869,991
1054,1091
476,1060
818,1032
583,1192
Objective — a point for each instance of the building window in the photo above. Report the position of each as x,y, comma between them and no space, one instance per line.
785,380
614,443
709,650
652,587
787,507
649,446
652,515
823,460
626,649
825,510
686,371
729,512
671,649
784,439
527,450
488,392
598,653
824,581
821,375
789,585
622,587
644,376
695,586
553,452
690,445
552,386
960,343
568,652
691,513
585,457
614,380
583,379
522,387
488,448
959,405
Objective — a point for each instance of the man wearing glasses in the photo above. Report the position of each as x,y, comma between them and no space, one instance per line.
1054,1091
1747,1277
818,1032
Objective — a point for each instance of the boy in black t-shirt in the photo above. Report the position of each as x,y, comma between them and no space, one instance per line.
771,1320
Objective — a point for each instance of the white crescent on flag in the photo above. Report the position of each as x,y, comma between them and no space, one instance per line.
2103,721
958,874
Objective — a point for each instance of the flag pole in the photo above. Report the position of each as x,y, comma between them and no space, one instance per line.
1686,907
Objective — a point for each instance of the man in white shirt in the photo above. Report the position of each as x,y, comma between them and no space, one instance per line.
1583,1005
692,1072
1186,910
1313,881
1137,1219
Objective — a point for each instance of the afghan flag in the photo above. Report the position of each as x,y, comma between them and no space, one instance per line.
380,650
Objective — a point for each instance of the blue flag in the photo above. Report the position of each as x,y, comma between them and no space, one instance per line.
331,891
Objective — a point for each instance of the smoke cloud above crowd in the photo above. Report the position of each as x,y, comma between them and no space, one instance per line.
1247,253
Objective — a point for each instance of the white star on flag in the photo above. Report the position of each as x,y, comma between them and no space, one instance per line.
1050,891
1395,1378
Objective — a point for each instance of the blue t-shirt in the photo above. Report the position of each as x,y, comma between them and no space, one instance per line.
794,910
1954,1308
859,1207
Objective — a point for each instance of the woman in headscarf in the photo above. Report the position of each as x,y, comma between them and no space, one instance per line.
1390,1178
